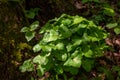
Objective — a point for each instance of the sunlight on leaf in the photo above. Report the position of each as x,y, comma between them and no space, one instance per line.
111,25
40,70
109,11
37,48
27,66
77,20
60,46
51,36
42,60
25,29
34,25
117,30
75,62
29,35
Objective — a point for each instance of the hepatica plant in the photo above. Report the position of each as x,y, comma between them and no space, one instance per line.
67,43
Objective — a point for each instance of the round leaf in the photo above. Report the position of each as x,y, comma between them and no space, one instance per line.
37,48
117,30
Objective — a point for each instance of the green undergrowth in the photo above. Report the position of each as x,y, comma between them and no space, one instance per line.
67,44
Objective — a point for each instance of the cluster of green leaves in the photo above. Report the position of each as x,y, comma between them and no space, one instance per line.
68,43
29,31
106,11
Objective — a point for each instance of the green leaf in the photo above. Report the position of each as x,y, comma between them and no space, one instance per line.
77,61
29,35
94,34
75,53
109,11
34,25
25,29
66,22
117,30
41,60
72,70
59,46
111,25
61,55
78,19
59,69
85,37
37,48
64,32
69,62
74,62
88,53
52,35
87,64
29,14
27,66
69,47
45,28
47,48
40,70
78,28
64,56
76,40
